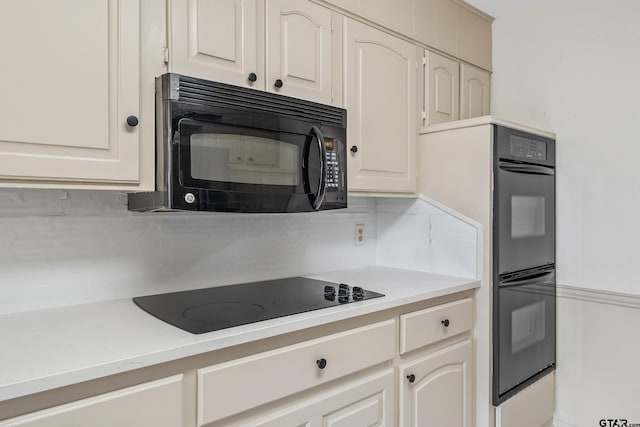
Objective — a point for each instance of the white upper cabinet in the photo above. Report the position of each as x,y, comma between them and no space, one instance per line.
442,84
214,40
381,102
451,26
225,40
475,90
71,73
299,49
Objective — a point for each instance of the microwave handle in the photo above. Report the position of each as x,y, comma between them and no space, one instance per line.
322,185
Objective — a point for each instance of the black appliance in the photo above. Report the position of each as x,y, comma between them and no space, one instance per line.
223,148
211,309
524,292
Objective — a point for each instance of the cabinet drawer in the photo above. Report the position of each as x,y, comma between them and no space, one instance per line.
427,326
235,386
157,403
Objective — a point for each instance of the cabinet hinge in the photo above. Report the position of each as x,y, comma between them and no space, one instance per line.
332,27
423,115
165,55
424,60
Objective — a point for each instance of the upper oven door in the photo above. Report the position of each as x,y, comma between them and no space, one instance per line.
258,162
524,200
525,216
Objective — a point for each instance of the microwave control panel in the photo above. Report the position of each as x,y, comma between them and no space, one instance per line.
333,165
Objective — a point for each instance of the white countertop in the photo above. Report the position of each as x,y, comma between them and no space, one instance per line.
43,350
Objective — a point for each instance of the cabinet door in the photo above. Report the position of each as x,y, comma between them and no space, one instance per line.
215,40
441,391
442,80
362,403
154,404
475,91
71,74
381,103
299,49
223,391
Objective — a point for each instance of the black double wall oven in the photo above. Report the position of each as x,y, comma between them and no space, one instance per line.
524,285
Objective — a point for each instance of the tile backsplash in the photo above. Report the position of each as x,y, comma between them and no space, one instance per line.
70,247
62,248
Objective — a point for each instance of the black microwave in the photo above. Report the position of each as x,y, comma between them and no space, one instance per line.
223,148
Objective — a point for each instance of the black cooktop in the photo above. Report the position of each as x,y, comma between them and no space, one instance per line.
205,310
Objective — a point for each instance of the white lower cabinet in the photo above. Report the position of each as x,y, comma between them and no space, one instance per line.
436,389
362,403
154,404
230,388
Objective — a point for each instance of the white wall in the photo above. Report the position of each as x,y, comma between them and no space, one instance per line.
61,248
572,67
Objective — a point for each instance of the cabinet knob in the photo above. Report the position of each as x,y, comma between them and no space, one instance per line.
354,148
411,378
445,323
278,83
252,77
132,121
322,363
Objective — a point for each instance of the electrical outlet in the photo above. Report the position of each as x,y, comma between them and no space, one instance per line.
359,235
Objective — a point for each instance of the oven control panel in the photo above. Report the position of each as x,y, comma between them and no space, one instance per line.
527,148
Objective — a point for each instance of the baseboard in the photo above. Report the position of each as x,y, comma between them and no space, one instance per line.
558,423
598,296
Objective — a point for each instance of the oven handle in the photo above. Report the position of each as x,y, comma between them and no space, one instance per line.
525,168
538,278
322,185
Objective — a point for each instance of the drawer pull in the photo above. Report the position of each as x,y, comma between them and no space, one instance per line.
445,323
411,378
322,363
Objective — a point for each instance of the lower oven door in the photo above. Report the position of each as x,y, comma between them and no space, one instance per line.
524,339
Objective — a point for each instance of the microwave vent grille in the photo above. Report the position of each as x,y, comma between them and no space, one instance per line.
190,89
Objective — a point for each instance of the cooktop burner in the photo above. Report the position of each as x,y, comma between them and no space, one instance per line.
205,310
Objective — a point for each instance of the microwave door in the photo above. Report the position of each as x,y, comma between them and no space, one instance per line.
318,167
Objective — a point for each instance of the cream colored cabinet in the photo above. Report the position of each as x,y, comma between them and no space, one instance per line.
442,86
364,402
451,26
425,327
223,389
153,404
475,91
381,103
436,385
224,40
452,90
71,99
436,389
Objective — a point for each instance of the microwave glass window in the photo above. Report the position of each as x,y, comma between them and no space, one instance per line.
243,159
527,326
527,216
